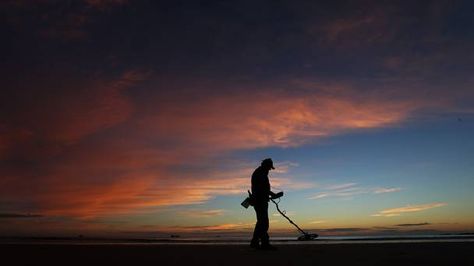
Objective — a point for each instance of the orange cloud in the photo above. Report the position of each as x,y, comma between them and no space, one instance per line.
237,121
115,156
93,191
218,227
164,188
204,213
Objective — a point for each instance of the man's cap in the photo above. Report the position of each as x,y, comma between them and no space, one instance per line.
268,162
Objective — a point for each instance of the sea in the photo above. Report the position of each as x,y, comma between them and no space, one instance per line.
238,240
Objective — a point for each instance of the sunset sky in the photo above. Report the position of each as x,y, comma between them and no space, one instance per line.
148,117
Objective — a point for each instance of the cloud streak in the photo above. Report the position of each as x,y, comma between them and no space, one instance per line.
416,224
216,227
18,215
409,209
203,213
318,222
386,190
348,190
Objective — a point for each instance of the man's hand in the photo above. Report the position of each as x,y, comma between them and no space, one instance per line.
277,195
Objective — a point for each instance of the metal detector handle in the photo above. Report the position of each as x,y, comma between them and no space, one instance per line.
278,195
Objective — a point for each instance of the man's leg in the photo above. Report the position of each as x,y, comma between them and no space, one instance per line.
264,224
256,232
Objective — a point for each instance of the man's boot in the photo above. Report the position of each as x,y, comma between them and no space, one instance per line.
266,246
254,244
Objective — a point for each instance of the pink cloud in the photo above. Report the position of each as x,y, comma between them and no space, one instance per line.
237,121
118,154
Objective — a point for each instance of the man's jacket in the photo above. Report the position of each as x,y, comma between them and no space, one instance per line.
260,185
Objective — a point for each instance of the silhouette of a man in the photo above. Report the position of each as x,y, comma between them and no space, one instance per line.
261,193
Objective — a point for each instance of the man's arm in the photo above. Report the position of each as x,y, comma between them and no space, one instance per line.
275,195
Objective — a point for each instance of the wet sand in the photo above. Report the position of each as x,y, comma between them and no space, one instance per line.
459,253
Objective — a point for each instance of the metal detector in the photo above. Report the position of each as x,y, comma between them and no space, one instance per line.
306,236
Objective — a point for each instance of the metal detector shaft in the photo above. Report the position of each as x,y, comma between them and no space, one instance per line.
278,209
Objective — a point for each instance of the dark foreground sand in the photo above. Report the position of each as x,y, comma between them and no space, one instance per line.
229,255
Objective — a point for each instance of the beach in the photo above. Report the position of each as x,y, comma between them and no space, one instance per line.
429,253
